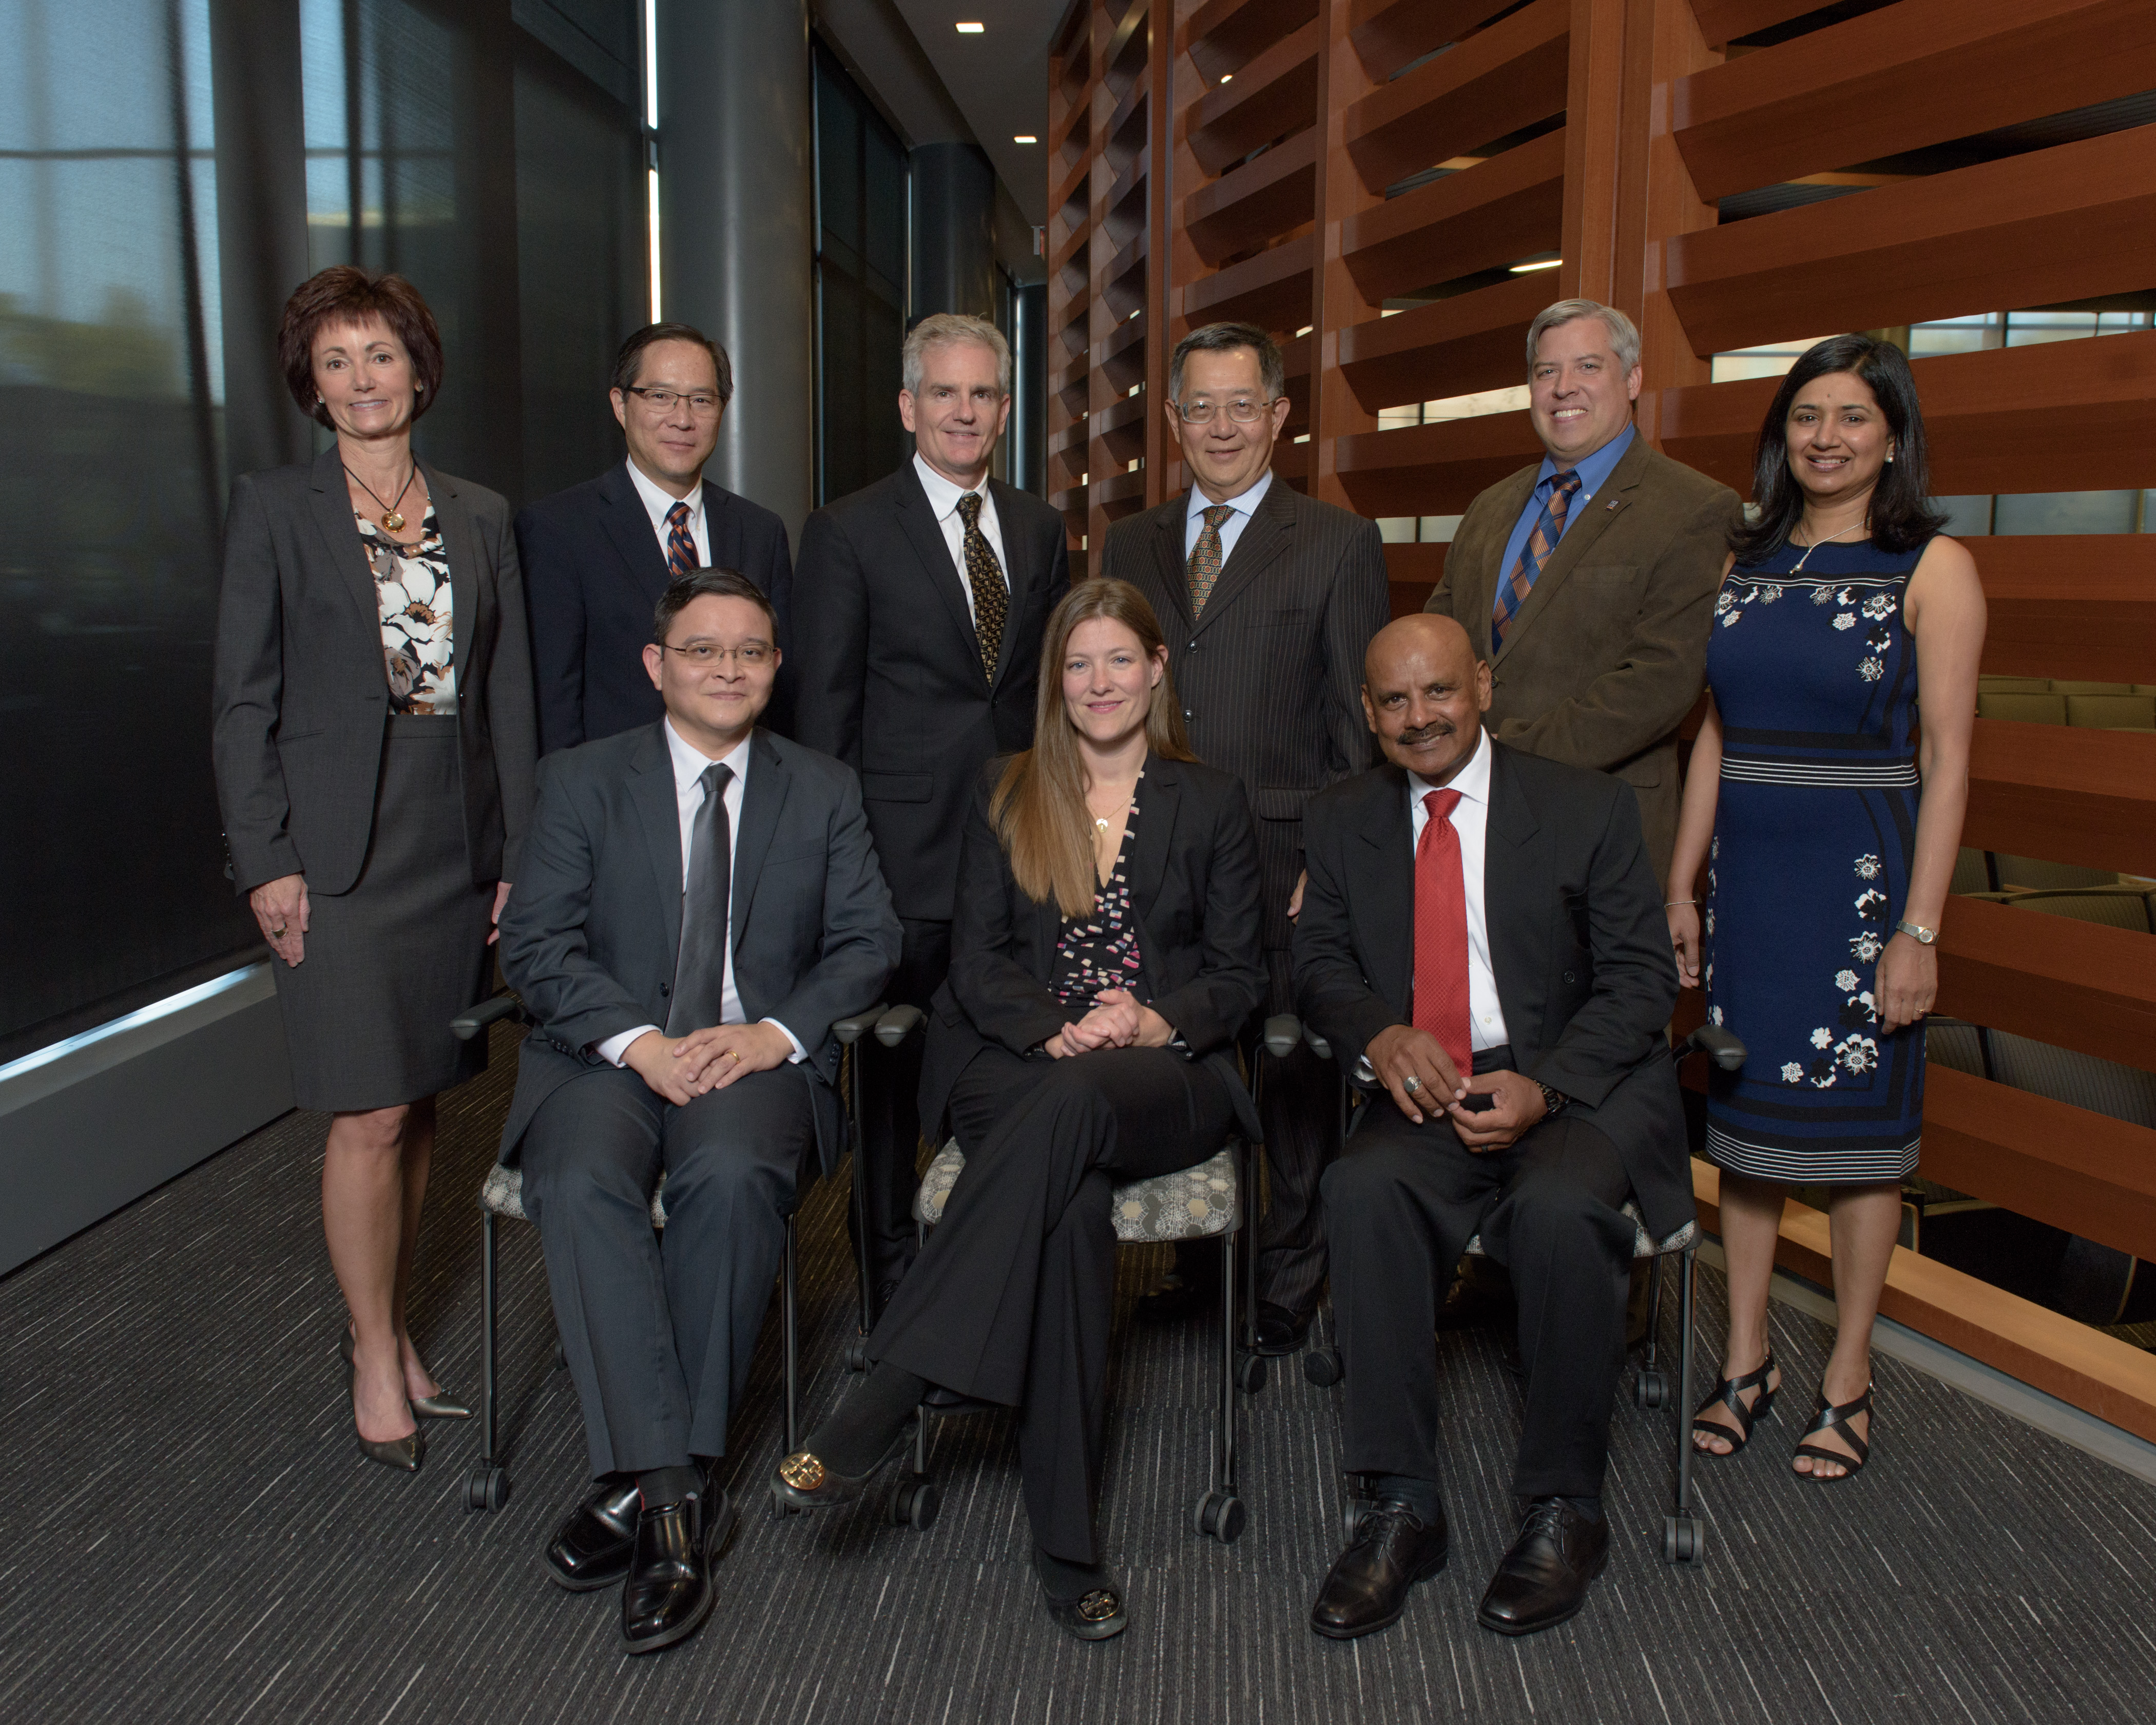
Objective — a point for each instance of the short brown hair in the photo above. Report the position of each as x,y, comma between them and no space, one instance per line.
684,590
345,293
629,363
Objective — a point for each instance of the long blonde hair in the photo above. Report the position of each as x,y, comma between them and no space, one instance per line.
1039,806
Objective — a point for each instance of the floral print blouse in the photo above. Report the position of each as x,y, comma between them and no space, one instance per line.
1102,951
419,645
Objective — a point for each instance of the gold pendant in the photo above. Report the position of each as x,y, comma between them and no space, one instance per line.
392,521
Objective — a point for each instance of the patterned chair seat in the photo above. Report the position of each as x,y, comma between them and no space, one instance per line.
503,1193
1194,1204
1643,1242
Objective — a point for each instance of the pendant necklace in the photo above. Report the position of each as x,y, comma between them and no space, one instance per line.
390,518
1816,543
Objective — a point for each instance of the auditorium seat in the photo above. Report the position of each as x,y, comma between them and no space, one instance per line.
2112,711
2021,708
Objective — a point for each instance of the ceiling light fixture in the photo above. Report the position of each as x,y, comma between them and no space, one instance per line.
971,29
1024,138
1529,268
1227,77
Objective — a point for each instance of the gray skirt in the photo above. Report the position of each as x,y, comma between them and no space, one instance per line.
387,965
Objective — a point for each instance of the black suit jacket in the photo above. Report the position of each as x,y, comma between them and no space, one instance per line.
1577,942
891,678
595,572
1195,887
1270,677
301,695
592,931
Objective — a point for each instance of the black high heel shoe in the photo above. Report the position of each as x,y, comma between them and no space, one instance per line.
1726,1393
425,1407
404,1454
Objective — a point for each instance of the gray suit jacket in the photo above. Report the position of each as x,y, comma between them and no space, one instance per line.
1270,676
301,694
590,934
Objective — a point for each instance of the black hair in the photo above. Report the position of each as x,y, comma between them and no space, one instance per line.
1903,517
630,362
1226,338
684,590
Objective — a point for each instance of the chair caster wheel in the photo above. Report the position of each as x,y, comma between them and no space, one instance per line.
1351,1518
857,1354
1322,1367
486,1488
1651,1388
914,1504
1218,1515
1250,1372
1684,1539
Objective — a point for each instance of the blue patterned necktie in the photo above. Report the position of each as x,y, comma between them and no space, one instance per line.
1549,528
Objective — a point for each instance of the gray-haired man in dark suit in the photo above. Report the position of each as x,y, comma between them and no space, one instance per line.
700,901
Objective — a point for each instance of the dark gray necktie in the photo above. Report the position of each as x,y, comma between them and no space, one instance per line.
700,968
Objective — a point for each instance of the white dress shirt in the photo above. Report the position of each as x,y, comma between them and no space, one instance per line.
656,503
1231,530
943,499
688,765
1470,820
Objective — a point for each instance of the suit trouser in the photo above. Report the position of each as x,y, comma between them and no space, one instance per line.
1011,1299
1299,1106
1401,1204
891,1107
659,1330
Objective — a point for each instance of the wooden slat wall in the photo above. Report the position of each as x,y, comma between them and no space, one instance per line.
1605,131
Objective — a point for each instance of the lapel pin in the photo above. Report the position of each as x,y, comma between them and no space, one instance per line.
1612,504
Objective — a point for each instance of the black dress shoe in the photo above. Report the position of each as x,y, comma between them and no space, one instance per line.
1367,1588
669,1592
1280,1331
1093,1616
591,1549
1181,1294
804,1482
1544,1577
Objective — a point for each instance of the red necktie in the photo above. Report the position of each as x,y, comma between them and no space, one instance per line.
680,543
1440,934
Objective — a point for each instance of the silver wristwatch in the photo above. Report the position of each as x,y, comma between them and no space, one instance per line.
1917,931
1552,1100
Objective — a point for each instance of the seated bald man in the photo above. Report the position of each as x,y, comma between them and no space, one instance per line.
1482,943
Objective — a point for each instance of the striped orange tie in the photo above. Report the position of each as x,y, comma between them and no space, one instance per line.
1548,529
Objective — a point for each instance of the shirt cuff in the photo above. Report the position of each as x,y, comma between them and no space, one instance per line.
800,1053
614,1047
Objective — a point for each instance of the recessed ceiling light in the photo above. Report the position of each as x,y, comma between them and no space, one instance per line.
1024,138
1529,268
971,29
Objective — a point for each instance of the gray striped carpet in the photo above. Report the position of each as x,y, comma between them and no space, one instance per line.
188,1534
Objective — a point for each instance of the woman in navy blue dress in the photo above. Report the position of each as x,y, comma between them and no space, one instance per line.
1822,815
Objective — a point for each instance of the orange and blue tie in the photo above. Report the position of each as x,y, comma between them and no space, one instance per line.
1548,529
681,543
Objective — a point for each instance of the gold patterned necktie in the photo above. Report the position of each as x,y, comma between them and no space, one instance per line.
985,575
1205,557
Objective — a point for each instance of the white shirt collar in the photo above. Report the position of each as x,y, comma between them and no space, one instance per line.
1245,505
690,762
1472,781
657,502
942,496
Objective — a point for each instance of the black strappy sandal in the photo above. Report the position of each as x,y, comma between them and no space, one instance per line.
1830,1415
1726,1392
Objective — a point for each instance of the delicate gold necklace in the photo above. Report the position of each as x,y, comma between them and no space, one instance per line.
1101,821
390,518
1816,543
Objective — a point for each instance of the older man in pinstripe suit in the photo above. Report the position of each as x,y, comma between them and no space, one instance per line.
1268,600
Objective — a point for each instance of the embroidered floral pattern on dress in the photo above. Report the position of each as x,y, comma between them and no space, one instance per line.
1853,1052
419,642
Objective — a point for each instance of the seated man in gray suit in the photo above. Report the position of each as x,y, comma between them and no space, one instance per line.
704,876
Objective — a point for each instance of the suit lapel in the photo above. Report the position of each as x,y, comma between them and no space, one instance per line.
455,520
917,522
1268,533
1580,536
1381,888
1510,910
1018,570
1174,568
341,535
659,808
629,525
722,528
1161,797
763,797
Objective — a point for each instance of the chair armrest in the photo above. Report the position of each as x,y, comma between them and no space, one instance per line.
469,1024
1317,1044
1719,1044
850,1029
898,1023
1283,1034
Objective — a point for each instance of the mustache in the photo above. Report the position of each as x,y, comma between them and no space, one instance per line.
1417,734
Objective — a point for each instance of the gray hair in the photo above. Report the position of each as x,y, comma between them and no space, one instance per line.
1623,333
945,329
1225,338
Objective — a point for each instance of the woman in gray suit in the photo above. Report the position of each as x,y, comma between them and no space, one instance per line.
374,746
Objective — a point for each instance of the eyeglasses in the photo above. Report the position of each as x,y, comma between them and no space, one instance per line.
705,657
663,400
1242,410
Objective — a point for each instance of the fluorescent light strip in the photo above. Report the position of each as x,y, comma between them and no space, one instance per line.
145,1015
971,29
651,221
651,64
1539,264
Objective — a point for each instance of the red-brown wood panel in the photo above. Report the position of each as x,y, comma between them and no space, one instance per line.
1508,208
2074,984
1274,94
2082,605
1386,34
1471,342
1434,470
1249,206
1223,36
2070,796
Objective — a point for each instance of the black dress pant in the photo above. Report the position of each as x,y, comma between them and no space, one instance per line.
1299,1106
888,1168
1401,1205
1010,1300
659,1330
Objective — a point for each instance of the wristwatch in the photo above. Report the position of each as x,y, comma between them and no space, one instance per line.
1553,1101
1917,931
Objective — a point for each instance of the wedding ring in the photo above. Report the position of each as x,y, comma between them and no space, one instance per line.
277,934
732,1055
1411,1084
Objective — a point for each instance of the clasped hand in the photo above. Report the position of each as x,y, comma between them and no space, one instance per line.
1118,1020
1400,1052
681,1069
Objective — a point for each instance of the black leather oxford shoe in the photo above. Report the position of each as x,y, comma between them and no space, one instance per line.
1280,1331
1544,1577
1367,1588
591,1549
669,1592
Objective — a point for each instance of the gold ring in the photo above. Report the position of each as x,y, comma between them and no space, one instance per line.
733,1054
277,934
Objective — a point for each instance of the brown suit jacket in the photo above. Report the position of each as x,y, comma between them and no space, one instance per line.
1610,651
